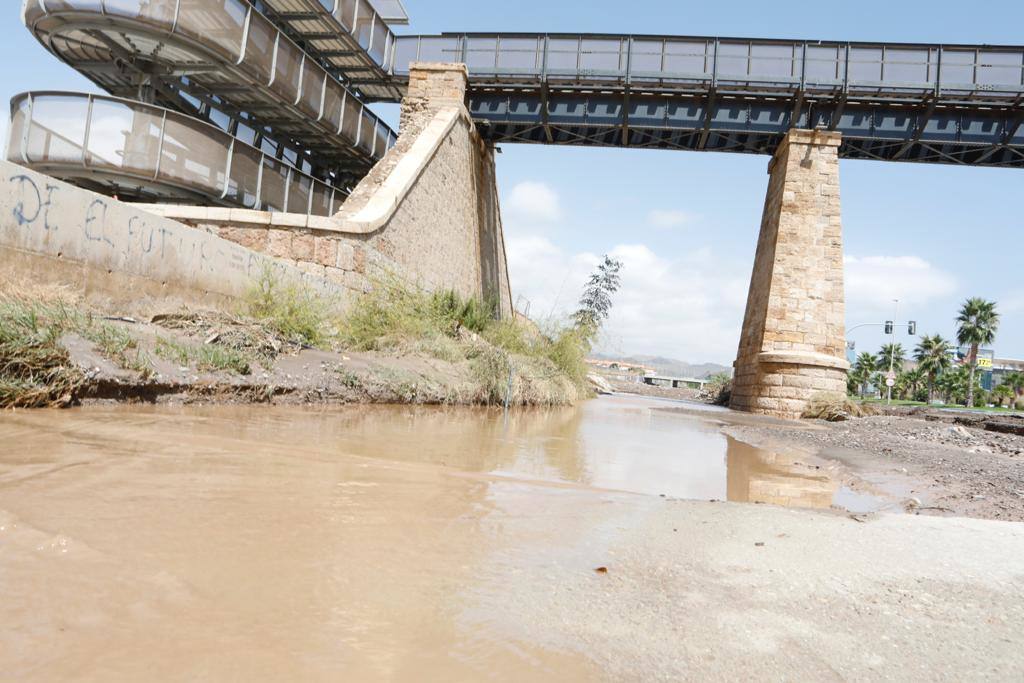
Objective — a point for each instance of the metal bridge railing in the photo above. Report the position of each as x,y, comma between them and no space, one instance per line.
79,135
963,72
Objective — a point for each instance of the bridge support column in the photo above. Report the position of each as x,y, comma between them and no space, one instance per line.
793,342
433,86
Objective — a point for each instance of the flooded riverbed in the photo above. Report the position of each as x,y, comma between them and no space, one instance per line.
359,542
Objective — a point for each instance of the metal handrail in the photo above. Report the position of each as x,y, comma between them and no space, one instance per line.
234,53
84,161
929,68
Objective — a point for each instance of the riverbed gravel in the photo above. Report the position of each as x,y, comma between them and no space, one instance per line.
963,470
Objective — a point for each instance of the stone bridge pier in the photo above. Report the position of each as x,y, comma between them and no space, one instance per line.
793,342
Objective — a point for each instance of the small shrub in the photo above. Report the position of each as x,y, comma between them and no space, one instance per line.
387,316
718,390
509,335
567,350
454,312
292,311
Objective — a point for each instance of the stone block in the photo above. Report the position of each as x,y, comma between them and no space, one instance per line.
250,238
325,251
279,243
303,247
346,256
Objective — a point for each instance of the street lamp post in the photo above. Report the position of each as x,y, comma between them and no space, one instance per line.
890,380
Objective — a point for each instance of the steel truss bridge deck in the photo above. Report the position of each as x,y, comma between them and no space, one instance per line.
894,102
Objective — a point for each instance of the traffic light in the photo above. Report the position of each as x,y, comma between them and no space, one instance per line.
912,328
889,326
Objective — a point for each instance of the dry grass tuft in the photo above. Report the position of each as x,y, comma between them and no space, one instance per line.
836,408
35,370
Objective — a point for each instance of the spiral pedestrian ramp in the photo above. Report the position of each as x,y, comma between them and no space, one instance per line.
203,63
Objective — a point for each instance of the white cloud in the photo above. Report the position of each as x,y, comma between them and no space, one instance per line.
684,305
1012,302
668,218
534,201
872,282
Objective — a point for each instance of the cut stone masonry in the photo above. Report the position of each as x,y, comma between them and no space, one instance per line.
793,340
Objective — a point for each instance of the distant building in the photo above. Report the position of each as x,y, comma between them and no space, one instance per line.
1001,367
675,382
620,367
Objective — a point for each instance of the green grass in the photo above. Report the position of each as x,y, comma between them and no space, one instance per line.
117,344
546,366
944,406
205,357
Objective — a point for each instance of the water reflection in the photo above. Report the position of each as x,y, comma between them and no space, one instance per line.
755,476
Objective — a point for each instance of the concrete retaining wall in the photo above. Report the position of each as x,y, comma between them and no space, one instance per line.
55,233
428,212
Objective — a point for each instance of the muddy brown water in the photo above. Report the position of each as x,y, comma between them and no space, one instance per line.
258,543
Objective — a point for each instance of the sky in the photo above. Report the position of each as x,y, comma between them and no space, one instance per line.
685,224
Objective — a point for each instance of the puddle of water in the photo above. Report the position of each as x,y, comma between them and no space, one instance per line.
615,443
356,543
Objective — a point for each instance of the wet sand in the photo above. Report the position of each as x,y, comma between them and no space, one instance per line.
414,544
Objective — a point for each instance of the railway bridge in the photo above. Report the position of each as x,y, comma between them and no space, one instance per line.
259,112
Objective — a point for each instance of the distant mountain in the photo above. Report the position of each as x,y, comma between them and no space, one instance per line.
670,366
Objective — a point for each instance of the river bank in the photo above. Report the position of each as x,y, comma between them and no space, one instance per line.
413,542
941,467
282,347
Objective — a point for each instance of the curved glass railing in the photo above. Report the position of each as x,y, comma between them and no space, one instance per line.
152,152
233,59
350,36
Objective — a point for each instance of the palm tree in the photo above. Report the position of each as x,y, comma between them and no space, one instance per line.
862,369
1015,380
976,325
1003,394
953,385
933,358
910,382
898,354
891,357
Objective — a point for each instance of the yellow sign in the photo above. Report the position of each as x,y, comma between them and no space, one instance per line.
984,362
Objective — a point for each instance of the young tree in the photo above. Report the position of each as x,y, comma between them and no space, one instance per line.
596,302
976,325
933,358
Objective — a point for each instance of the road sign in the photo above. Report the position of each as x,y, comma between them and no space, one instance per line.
890,382
891,375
